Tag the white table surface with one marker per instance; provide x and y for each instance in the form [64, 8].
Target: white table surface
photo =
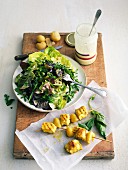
[19, 16]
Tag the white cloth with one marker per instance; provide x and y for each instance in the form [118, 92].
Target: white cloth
[48, 149]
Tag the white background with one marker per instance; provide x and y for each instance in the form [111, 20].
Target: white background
[19, 16]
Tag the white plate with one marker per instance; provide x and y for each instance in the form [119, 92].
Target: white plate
[81, 78]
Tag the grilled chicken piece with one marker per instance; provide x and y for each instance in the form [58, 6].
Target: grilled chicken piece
[56, 122]
[90, 136]
[73, 118]
[73, 146]
[81, 112]
[65, 119]
[69, 132]
[81, 134]
[48, 127]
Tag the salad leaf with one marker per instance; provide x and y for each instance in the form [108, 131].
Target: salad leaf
[37, 56]
[23, 81]
[41, 82]
[49, 50]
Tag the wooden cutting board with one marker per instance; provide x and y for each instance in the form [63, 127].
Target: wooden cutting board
[26, 116]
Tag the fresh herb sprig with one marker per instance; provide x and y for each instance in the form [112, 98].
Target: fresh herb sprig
[98, 120]
[8, 101]
[88, 124]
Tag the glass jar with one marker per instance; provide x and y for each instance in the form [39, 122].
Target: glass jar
[85, 44]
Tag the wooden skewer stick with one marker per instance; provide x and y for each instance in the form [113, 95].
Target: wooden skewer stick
[103, 139]
[65, 127]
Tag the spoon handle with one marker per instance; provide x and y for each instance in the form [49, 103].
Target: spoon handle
[100, 92]
[98, 13]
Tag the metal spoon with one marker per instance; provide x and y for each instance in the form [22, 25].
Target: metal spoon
[100, 92]
[98, 13]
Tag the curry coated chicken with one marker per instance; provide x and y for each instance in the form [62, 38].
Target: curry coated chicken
[73, 146]
[48, 127]
[77, 132]
[80, 133]
[65, 119]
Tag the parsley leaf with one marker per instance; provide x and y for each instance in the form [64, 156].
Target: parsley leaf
[7, 99]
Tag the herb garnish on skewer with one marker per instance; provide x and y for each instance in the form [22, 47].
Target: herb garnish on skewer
[98, 120]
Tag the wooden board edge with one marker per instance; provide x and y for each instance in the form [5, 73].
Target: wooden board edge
[95, 155]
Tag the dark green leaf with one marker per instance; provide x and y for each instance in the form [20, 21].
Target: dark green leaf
[24, 80]
[100, 118]
[92, 97]
[83, 126]
[93, 112]
[20, 92]
[89, 123]
[31, 95]
[8, 101]
[101, 128]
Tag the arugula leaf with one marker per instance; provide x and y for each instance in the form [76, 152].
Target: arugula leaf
[8, 101]
[31, 95]
[24, 80]
[23, 94]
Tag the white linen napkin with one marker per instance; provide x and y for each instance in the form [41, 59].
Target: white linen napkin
[48, 149]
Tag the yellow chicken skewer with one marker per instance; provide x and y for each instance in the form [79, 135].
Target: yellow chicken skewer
[49, 127]
[82, 134]
[65, 120]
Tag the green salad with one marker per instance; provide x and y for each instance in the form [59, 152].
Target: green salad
[41, 81]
